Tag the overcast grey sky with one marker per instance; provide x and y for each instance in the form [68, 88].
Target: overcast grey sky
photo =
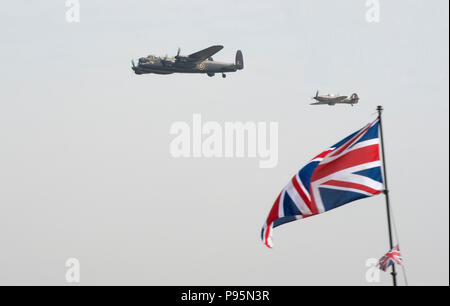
[85, 168]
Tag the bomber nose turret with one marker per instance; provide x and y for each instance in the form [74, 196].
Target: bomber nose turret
[134, 68]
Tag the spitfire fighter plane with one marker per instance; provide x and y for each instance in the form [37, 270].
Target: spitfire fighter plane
[198, 62]
[335, 99]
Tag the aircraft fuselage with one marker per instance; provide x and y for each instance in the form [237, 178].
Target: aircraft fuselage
[168, 67]
[332, 100]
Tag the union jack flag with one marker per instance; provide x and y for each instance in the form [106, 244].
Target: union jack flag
[392, 257]
[347, 171]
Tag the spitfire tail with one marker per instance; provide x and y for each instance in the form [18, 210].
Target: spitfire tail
[239, 60]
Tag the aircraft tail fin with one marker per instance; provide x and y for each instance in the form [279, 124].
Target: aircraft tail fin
[239, 60]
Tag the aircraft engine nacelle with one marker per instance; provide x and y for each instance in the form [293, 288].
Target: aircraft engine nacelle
[210, 74]
[166, 63]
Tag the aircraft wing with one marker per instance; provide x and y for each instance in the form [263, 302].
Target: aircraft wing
[202, 55]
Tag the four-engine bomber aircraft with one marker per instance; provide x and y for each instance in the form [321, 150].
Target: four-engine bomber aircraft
[198, 62]
[335, 99]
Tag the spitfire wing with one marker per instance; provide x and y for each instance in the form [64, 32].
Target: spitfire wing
[202, 55]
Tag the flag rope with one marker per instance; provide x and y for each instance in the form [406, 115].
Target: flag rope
[398, 242]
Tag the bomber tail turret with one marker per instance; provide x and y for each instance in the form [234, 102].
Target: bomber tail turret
[239, 60]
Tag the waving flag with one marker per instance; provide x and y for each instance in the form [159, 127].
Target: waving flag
[348, 171]
[392, 257]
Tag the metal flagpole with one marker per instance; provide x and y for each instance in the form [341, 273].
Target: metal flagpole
[386, 193]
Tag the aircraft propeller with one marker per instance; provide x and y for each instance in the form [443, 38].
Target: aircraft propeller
[180, 58]
[132, 63]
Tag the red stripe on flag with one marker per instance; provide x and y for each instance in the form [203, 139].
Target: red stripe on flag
[312, 208]
[351, 159]
[323, 154]
[352, 185]
[351, 141]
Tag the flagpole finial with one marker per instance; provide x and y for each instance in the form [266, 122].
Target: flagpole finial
[379, 108]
